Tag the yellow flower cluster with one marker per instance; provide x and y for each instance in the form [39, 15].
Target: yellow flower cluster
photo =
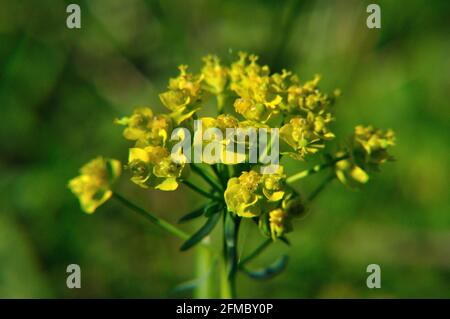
[368, 149]
[306, 134]
[257, 99]
[184, 95]
[259, 96]
[152, 166]
[214, 74]
[149, 161]
[93, 185]
[304, 109]
[265, 197]
[146, 128]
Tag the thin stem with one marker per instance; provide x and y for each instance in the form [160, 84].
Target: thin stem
[218, 172]
[220, 103]
[315, 169]
[221, 171]
[209, 179]
[256, 252]
[152, 218]
[230, 254]
[201, 191]
[320, 188]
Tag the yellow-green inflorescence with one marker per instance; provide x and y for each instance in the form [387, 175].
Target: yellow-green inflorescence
[93, 186]
[248, 95]
[367, 150]
[265, 197]
[258, 97]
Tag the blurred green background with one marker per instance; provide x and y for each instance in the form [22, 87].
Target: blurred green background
[60, 90]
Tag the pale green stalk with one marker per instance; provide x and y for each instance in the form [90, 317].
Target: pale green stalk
[314, 169]
[204, 264]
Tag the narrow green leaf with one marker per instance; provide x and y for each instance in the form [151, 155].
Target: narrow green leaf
[192, 215]
[213, 208]
[269, 272]
[230, 236]
[186, 286]
[201, 233]
[206, 210]
[285, 240]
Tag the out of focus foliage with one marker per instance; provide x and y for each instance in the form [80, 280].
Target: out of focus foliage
[60, 90]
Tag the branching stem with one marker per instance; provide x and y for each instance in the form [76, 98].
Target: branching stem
[201, 191]
[152, 218]
[207, 177]
[314, 169]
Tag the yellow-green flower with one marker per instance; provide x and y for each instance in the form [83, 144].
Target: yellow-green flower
[258, 99]
[293, 204]
[222, 122]
[277, 219]
[184, 95]
[214, 74]
[367, 151]
[251, 193]
[252, 111]
[152, 166]
[372, 143]
[146, 128]
[349, 173]
[241, 195]
[308, 97]
[279, 223]
[305, 135]
[93, 185]
[273, 186]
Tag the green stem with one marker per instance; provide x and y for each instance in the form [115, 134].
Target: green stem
[230, 254]
[320, 188]
[221, 171]
[225, 286]
[220, 103]
[233, 262]
[218, 172]
[208, 178]
[152, 218]
[201, 191]
[315, 169]
[204, 263]
[256, 252]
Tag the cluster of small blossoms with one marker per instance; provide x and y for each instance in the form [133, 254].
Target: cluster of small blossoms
[260, 99]
[367, 150]
[248, 95]
[93, 185]
[265, 197]
[304, 110]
